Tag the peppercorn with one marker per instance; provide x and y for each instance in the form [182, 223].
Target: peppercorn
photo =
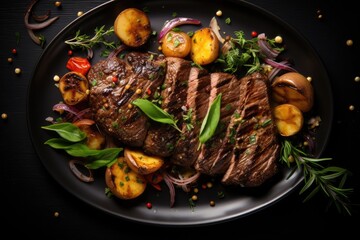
[149, 205]
[4, 116]
[212, 203]
[57, 4]
[17, 70]
[219, 13]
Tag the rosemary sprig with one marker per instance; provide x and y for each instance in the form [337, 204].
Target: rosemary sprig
[330, 180]
[86, 42]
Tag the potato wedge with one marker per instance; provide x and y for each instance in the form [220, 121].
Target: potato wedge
[141, 163]
[74, 88]
[94, 139]
[295, 89]
[288, 119]
[176, 44]
[205, 46]
[123, 182]
[132, 26]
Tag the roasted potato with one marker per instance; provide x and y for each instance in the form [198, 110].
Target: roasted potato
[74, 88]
[295, 89]
[123, 182]
[205, 46]
[141, 163]
[288, 119]
[176, 44]
[94, 139]
[132, 26]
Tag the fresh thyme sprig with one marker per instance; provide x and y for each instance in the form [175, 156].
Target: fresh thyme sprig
[86, 42]
[330, 180]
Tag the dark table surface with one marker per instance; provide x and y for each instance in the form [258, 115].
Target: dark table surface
[30, 196]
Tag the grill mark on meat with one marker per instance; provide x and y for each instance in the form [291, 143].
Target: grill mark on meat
[186, 152]
[228, 85]
[110, 100]
[161, 139]
[256, 148]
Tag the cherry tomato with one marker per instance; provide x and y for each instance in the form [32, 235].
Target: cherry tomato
[78, 64]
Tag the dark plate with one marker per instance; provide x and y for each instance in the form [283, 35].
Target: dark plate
[238, 202]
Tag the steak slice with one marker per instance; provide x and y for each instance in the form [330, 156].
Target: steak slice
[115, 84]
[228, 85]
[256, 147]
[197, 101]
[161, 138]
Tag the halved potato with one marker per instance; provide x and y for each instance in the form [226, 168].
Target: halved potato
[176, 44]
[123, 182]
[205, 46]
[74, 88]
[141, 163]
[288, 119]
[295, 89]
[132, 26]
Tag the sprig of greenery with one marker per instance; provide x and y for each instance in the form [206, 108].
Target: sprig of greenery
[244, 53]
[86, 42]
[330, 180]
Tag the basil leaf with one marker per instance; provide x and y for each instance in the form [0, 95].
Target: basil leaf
[67, 131]
[59, 143]
[100, 163]
[82, 150]
[155, 113]
[210, 121]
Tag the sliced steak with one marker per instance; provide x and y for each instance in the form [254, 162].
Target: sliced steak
[228, 85]
[256, 150]
[115, 84]
[197, 101]
[161, 138]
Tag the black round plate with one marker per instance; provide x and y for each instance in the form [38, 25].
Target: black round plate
[238, 202]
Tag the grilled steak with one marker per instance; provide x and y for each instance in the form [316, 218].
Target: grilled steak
[161, 138]
[228, 85]
[253, 132]
[186, 153]
[115, 84]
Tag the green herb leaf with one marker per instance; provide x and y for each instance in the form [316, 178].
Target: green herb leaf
[59, 143]
[211, 120]
[100, 163]
[68, 131]
[155, 113]
[324, 178]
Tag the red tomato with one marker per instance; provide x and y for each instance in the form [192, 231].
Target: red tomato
[78, 64]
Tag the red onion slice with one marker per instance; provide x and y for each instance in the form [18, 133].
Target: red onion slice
[176, 22]
[73, 164]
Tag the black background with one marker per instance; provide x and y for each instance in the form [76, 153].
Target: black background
[30, 196]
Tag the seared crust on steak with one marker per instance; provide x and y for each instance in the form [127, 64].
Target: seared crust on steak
[115, 83]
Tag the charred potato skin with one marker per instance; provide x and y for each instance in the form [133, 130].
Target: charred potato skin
[123, 182]
[132, 26]
[142, 163]
[74, 88]
[295, 89]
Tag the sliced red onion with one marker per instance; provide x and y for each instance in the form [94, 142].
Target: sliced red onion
[33, 37]
[41, 18]
[265, 47]
[73, 164]
[284, 65]
[62, 106]
[171, 187]
[176, 22]
[216, 29]
[36, 26]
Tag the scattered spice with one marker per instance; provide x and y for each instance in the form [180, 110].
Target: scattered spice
[309, 79]
[349, 42]
[351, 107]
[56, 78]
[278, 39]
[56, 214]
[80, 13]
[149, 205]
[212, 203]
[14, 51]
[228, 21]
[10, 60]
[17, 71]
[4, 116]
[194, 197]
[357, 79]
[219, 13]
[70, 53]
[57, 4]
